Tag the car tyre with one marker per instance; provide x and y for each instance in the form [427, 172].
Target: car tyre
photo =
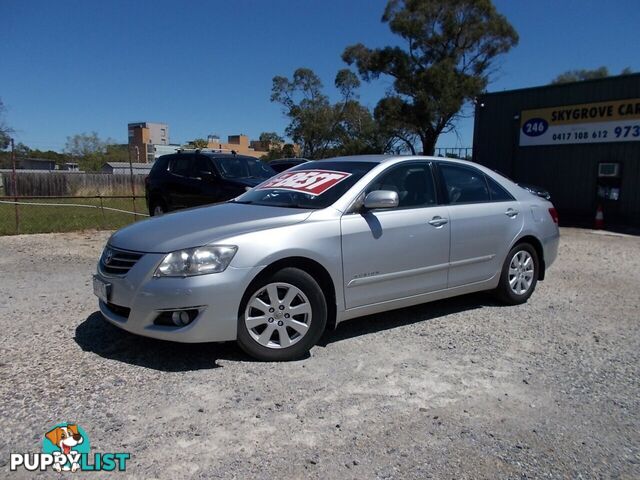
[282, 316]
[519, 275]
[157, 208]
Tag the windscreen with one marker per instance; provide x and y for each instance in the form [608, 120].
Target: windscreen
[312, 185]
[243, 167]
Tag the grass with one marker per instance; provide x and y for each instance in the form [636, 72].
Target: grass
[55, 218]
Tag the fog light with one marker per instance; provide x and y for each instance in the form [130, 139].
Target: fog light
[180, 319]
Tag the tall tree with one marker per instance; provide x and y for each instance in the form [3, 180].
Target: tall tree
[309, 110]
[323, 128]
[84, 144]
[5, 130]
[270, 138]
[450, 48]
[585, 74]
[197, 143]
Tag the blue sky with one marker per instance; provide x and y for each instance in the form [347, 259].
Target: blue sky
[206, 66]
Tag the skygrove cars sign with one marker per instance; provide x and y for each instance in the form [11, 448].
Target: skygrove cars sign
[311, 182]
[616, 121]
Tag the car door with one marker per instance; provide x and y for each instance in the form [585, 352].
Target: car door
[484, 220]
[395, 253]
[179, 184]
[206, 182]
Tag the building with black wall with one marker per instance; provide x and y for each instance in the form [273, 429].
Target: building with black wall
[580, 141]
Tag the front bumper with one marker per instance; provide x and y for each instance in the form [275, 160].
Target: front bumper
[216, 296]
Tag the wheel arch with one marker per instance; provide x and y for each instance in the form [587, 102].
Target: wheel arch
[537, 245]
[313, 268]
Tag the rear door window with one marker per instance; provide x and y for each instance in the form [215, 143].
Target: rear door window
[497, 191]
[464, 184]
[181, 165]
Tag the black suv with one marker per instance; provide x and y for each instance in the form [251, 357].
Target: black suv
[191, 178]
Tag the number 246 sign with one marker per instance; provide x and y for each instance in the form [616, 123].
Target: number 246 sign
[311, 182]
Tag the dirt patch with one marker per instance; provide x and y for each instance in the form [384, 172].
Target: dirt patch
[462, 388]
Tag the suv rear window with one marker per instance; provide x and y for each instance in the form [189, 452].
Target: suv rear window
[181, 165]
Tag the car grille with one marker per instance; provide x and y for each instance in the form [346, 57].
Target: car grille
[118, 310]
[118, 262]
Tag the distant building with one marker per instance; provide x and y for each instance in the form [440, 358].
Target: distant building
[243, 146]
[71, 167]
[144, 137]
[165, 149]
[35, 164]
[123, 167]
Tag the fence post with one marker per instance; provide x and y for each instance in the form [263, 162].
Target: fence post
[102, 210]
[15, 186]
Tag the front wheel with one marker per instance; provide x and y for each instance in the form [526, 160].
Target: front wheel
[282, 316]
[519, 275]
[157, 208]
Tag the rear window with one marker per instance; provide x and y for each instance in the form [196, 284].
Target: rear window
[498, 193]
[464, 185]
[181, 165]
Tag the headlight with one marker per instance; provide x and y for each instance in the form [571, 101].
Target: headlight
[196, 261]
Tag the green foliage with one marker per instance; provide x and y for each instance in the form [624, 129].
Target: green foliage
[84, 144]
[5, 130]
[450, 46]
[270, 138]
[286, 151]
[197, 143]
[323, 128]
[584, 74]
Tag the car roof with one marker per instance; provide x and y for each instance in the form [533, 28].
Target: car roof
[389, 158]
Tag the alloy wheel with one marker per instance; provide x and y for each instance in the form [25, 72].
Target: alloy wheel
[278, 315]
[521, 272]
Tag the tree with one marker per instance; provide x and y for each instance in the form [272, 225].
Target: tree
[309, 111]
[584, 74]
[270, 138]
[5, 130]
[84, 144]
[450, 49]
[323, 128]
[197, 143]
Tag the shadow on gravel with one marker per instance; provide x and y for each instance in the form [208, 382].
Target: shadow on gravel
[407, 316]
[100, 337]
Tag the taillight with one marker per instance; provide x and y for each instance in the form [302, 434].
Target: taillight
[554, 215]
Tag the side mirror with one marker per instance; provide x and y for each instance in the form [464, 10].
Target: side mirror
[381, 199]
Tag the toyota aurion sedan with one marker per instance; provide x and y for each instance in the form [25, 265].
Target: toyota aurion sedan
[322, 243]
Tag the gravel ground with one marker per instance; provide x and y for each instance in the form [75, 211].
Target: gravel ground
[462, 388]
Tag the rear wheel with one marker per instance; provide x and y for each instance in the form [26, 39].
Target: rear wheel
[519, 275]
[282, 316]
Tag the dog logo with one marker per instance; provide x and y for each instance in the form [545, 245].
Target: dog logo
[66, 448]
[68, 440]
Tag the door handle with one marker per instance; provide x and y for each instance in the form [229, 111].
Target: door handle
[438, 221]
[511, 213]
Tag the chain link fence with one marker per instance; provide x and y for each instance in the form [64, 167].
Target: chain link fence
[38, 214]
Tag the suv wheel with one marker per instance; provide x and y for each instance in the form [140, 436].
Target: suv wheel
[157, 208]
[282, 317]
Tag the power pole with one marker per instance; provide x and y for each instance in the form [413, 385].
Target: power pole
[15, 186]
[133, 187]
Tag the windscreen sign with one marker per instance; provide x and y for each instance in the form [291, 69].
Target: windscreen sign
[311, 182]
[617, 121]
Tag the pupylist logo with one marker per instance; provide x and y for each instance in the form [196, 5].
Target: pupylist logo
[66, 448]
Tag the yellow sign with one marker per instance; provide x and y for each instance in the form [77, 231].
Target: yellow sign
[614, 121]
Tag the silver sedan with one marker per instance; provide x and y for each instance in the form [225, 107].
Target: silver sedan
[322, 243]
